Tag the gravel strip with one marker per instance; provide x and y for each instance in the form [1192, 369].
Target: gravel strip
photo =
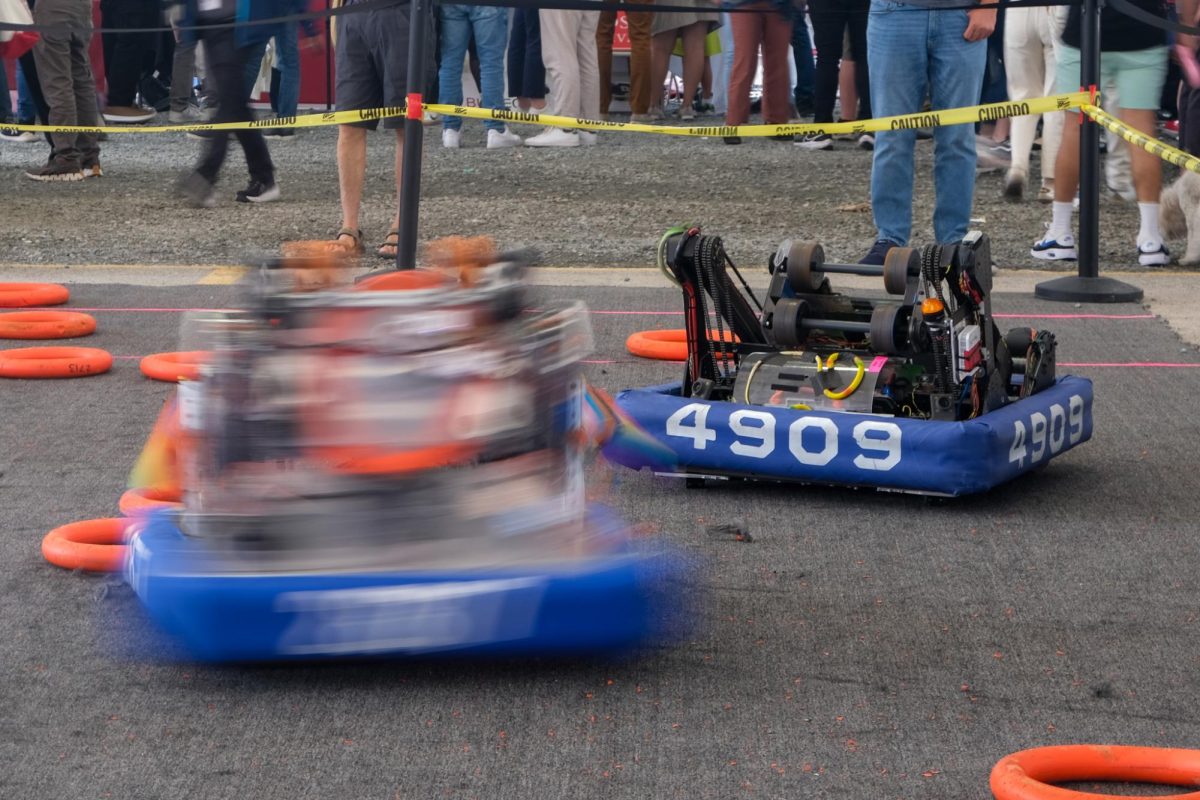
[603, 205]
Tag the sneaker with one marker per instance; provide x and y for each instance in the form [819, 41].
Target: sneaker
[732, 139]
[451, 139]
[554, 137]
[258, 192]
[704, 107]
[1172, 127]
[189, 114]
[815, 141]
[1153, 254]
[201, 136]
[1055, 248]
[1122, 187]
[588, 139]
[686, 115]
[867, 141]
[1046, 193]
[430, 118]
[55, 171]
[128, 115]
[93, 170]
[503, 138]
[14, 135]
[279, 133]
[196, 190]
[878, 252]
[643, 119]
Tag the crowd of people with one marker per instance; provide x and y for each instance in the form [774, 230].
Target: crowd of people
[824, 60]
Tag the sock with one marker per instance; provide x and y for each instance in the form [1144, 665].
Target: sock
[1060, 224]
[1149, 230]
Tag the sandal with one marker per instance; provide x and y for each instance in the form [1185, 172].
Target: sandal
[355, 246]
[392, 240]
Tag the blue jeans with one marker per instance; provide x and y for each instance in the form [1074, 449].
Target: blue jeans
[912, 51]
[26, 109]
[287, 61]
[490, 26]
[802, 54]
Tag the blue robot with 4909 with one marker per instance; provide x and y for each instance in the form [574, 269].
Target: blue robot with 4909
[919, 392]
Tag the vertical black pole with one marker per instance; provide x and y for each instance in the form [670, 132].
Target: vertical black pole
[1088, 286]
[328, 59]
[414, 131]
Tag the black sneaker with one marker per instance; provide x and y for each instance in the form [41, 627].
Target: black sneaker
[258, 192]
[55, 171]
[732, 139]
[278, 133]
[867, 141]
[878, 252]
[814, 141]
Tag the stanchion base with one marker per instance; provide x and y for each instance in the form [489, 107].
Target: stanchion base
[1079, 289]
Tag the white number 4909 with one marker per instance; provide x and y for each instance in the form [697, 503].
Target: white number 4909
[1046, 437]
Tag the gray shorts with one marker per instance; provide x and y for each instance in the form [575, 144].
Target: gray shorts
[372, 62]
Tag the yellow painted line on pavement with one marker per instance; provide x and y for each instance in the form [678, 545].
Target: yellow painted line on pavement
[223, 276]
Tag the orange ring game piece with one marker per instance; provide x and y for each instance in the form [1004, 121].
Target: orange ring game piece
[174, 367]
[45, 324]
[96, 545]
[54, 362]
[664, 345]
[1027, 775]
[22, 295]
[136, 501]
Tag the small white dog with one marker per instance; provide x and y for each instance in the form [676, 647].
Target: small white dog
[1179, 214]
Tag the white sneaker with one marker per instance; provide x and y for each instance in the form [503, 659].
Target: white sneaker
[553, 137]
[1153, 254]
[588, 139]
[13, 135]
[498, 139]
[430, 118]
[1055, 247]
[451, 138]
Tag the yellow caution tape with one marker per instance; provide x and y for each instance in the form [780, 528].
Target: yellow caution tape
[302, 121]
[928, 119]
[1151, 145]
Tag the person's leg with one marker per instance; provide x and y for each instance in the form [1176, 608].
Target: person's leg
[741, 74]
[227, 71]
[604, 56]
[183, 72]
[287, 60]
[491, 30]
[53, 56]
[6, 109]
[856, 29]
[589, 69]
[828, 24]
[254, 57]
[456, 30]
[534, 79]
[1024, 64]
[641, 79]
[802, 54]
[956, 69]
[86, 111]
[559, 31]
[897, 47]
[693, 58]
[515, 58]
[26, 107]
[661, 46]
[128, 51]
[1052, 124]
[1147, 167]
[777, 38]
[352, 171]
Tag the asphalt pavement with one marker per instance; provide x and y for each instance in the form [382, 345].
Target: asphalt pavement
[858, 645]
